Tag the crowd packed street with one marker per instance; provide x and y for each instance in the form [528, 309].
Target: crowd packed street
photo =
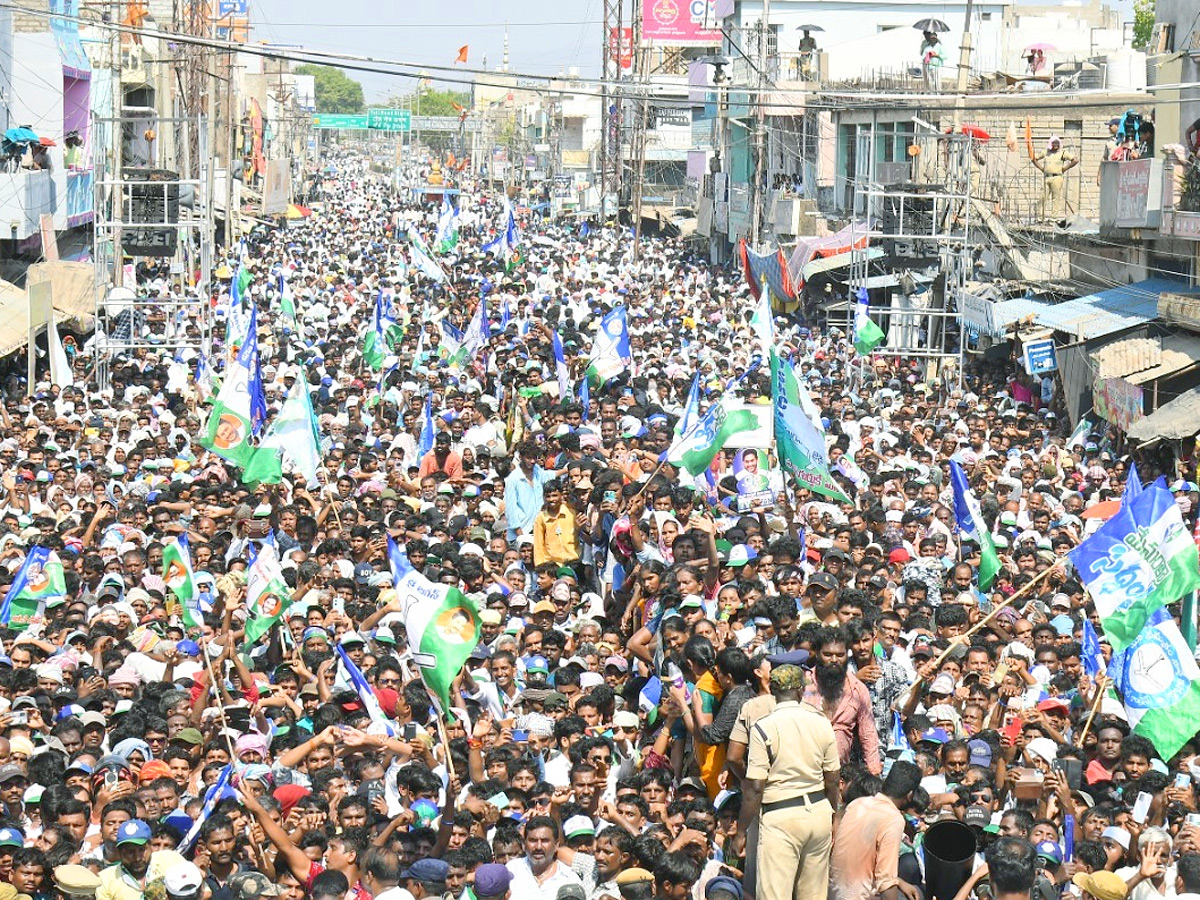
[485, 556]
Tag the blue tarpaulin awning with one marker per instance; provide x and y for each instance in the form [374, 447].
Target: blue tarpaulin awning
[1109, 311]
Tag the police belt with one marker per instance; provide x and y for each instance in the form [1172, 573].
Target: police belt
[799, 800]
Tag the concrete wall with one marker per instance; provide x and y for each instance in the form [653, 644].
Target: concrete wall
[37, 85]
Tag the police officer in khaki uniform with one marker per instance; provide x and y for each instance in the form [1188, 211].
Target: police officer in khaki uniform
[1054, 163]
[791, 788]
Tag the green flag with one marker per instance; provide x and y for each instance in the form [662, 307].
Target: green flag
[177, 573]
[228, 432]
[867, 335]
[1187, 619]
[442, 624]
[798, 441]
[695, 448]
[267, 594]
[295, 433]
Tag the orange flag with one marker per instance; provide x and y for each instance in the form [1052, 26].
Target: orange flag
[462, 53]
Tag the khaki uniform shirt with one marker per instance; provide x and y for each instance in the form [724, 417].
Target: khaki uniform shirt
[1054, 161]
[791, 749]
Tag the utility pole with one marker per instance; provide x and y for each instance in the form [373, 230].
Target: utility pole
[964, 66]
[760, 130]
[641, 57]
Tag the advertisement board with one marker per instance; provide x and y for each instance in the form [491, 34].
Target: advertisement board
[680, 23]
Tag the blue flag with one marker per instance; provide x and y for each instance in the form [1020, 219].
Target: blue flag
[691, 409]
[398, 560]
[585, 397]
[1093, 659]
[365, 694]
[1133, 484]
[214, 795]
[258, 400]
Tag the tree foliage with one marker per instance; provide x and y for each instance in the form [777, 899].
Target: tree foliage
[433, 103]
[1143, 23]
[336, 91]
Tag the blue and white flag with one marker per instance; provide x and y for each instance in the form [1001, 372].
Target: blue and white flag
[379, 721]
[610, 354]
[560, 366]
[585, 397]
[258, 399]
[1159, 683]
[1137, 562]
[691, 409]
[214, 795]
[425, 441]
[1093, 658]
[1133, 484]
[971, 525]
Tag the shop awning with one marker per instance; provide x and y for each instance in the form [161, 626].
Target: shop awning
[1110, 311]
[1172, 421]
[828, 263]
[1143, 360]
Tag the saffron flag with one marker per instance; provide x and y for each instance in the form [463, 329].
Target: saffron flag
[462, 53]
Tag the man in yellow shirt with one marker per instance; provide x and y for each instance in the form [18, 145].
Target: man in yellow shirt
[127, 880]
[555, 537]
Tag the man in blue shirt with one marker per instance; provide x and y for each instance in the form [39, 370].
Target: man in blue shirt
[523, 490]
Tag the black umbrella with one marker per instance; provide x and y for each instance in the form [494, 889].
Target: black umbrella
[809, 28]
[934, 25]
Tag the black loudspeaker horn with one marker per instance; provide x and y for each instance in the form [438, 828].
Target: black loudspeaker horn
[949, 858]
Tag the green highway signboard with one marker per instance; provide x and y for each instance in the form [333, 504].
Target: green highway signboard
[389, 120]
[339, 120]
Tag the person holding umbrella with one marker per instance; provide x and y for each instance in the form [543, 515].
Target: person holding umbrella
[808, 51]
[932, 57]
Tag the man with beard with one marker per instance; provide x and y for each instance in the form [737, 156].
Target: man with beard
[127, 879]
[538, 874]
[791, 790]
[845, 701]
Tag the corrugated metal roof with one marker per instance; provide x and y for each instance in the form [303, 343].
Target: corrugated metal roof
[1179, 352]
[1107, 312]
[1009, 311]
[1128, 357]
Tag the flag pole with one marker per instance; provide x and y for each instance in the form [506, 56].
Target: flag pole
[441, 727]
[999, 606]
[1101, 685]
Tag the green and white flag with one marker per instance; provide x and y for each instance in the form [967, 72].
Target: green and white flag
[867, 335]
[1137, 562]
[442, 624]
[229, 424]
[446, 238]
[296, 434]
[267, 594]
[694, 450]
[798, 441]
[1159, 683]
[287, 303]
[763, 323]
[177, 573]
[972, 526]
[422, 259]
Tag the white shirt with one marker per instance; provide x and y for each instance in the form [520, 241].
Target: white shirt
[526, 886]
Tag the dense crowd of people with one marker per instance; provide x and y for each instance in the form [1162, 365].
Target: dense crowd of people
[712, 688]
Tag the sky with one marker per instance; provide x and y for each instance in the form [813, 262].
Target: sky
[545, 36]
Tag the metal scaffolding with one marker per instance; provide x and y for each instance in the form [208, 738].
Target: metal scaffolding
[149, 209]
[913, 224]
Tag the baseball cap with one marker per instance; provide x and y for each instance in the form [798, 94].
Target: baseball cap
[977, 816]
[11, 837]
[430, 870]
[9, 772]
[791, 658]
[981, 753]
[1049, 850]
[543, 606]
[135, 831]
[183, 880]
[823, 580]
[492, 880]
[251, 885]
[933, 735]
